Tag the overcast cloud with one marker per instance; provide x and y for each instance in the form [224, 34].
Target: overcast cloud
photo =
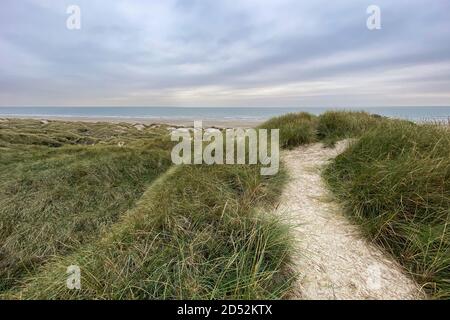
[225, 53]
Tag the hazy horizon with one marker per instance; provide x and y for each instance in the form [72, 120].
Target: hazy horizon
[188, 53]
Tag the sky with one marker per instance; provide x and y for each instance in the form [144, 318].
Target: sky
[252, 53]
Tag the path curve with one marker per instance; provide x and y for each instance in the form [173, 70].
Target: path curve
[334, 260]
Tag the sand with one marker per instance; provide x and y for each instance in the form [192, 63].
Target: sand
[218, 123]
[334, 260]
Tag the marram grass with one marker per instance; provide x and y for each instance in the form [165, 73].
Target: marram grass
[196, 233]
[201, 232]
[395, 182]
[205, 232]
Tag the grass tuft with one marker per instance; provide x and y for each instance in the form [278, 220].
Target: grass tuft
[195, 234]
[295, 129]
[337, 125]
[395, 182]
[137, 229]
[56, 198]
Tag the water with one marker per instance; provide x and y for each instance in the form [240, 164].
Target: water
[409, 113]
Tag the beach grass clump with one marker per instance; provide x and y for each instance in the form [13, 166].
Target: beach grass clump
[337, 125]
[302, 128]
[102, 196]
[55, 198]
[29, 132]
[395, 182]
[295, 129]
[199, 232]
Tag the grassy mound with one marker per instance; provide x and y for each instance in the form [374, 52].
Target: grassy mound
[56, 197]
[295, 129]
[337, 125]
[395, 182]
[195, 234]
[302, 128]
[71, 195]
[77, 194]
[52, 206]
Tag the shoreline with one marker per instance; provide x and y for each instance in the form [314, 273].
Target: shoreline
[219, 123]
[179, 122]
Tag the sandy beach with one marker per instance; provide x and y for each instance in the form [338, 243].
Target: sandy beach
[184, 122]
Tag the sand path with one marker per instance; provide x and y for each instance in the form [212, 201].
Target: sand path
[334, 261]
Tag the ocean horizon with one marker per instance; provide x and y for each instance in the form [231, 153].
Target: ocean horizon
[215, 113]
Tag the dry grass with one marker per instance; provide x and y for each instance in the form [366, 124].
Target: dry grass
[395, 182]
[73, 196]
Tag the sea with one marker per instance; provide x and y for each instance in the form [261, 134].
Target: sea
[215, 113]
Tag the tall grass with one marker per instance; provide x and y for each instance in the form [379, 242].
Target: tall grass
[338, 125]
[52, 206]
[302, 128]
[204, 232]
[56, 197]
[295, 129]
[395, 182]
[195, 234]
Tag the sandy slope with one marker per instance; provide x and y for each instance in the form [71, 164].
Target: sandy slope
[219, 123]
[334, 262]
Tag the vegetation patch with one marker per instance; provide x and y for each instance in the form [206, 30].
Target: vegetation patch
[295, 129]
[195, 234]
[302, 128]
[202, 232]
[395, 182]
[56, 197]
[337, 125]
[78, 194]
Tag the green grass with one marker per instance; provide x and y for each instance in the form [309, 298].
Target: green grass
[302, 128]
[70, 195]
[337, 125]
[201, 232]
[56, 197]
[195, 234]
[395, 182]
[295, 129]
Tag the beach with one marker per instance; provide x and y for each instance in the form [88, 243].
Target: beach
[177, 122]
[228, 154]
[114, 178]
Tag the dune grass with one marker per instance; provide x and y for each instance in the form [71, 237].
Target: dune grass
[395, 182]
[55, 197]
[337, 125]
[205, 232]
[302, 128]
[52, 206]
[195, 234]
[202, 232]
[295, 129]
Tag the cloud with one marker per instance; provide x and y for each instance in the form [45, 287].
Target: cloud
[224, 53]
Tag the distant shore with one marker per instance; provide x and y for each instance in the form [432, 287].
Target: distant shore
[184, 122]
[212, 116]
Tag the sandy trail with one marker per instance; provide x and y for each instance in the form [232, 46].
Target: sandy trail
[335, 261]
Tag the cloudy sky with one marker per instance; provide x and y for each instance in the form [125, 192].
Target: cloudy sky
[225, 53]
